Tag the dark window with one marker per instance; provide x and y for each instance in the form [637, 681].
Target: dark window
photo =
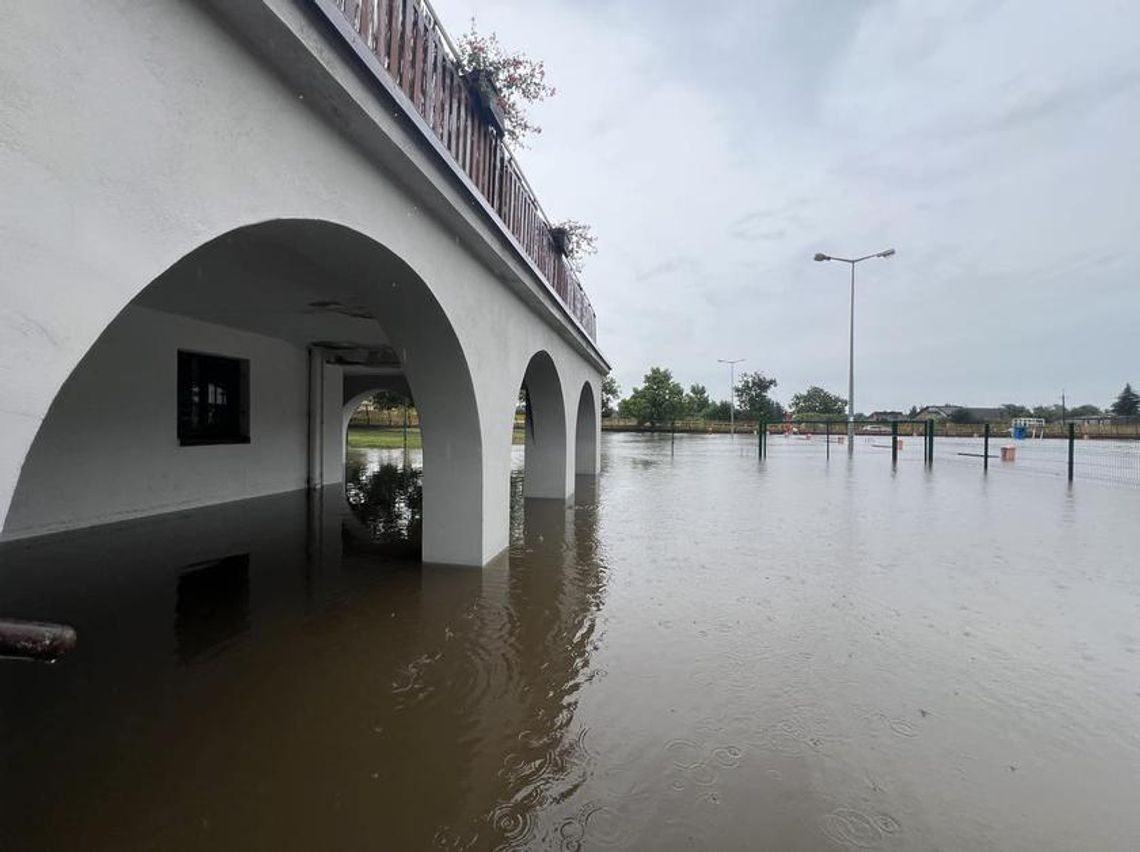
[213, 399]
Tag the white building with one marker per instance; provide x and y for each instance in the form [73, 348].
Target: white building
[224, 223]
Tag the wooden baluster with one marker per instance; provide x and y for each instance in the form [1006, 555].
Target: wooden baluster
[395, 28]
[421, 62]
[432, 84]
[407, 45]
[383, 15]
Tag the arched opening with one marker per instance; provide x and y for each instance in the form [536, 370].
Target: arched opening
[586, 433]
[224, 379]
[545, 460]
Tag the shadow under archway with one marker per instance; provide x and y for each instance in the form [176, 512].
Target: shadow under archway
[261, 300]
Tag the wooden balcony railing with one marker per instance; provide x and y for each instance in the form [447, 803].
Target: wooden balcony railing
[420, 59]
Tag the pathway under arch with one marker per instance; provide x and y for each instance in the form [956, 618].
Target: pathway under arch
[545, 472]
[586, 433]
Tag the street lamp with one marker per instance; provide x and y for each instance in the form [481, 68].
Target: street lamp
[732, 362]
[820, 256]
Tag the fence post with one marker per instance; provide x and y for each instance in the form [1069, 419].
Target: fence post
[894, 443]
[930, 441]
[1072, 441]
[827, 437]
[986, 449]
[672, 436]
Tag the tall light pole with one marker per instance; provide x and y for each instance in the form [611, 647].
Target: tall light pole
[732, 362]
[851, 261]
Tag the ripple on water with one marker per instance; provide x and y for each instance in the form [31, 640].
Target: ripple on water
[685, 754]
[605, 826]
[852, 827]
[513, 822]
[900, 726]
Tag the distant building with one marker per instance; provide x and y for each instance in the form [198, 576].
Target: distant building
[947, 412]
[887, 416]
[936, 412]
[1096, 419]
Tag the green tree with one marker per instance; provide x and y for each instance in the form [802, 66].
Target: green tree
[752, 397]
[913, 413]
[1012, 411]
[611, 392]
[658, 400]
[1084, 411]
[718, 411]
[818, 402]
[1127, 403]
[1048, 413]
[696, 400]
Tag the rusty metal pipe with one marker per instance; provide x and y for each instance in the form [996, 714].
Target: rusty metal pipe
[33, 640]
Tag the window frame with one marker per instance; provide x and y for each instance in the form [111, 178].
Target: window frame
[215, 366]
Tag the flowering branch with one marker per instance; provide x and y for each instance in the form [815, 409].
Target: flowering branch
[519, 80]
[575, 240]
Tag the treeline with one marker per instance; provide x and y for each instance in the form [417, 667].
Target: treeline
[1126, 404]
[660, 399]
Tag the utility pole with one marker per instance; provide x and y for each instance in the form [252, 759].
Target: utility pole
[851, 261]
[732, 362]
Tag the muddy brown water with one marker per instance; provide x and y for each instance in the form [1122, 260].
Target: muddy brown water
[703, 651]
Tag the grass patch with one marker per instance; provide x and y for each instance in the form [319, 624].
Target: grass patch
[392, 438]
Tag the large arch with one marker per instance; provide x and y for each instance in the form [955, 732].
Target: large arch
[547, 462]
[586, 433]
[294, 299]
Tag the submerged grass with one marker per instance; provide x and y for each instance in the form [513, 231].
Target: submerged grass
[392, 438]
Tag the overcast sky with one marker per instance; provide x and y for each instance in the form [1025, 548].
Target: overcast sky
[715, 147]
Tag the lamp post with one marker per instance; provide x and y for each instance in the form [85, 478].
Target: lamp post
[851, 261]
[732, 362]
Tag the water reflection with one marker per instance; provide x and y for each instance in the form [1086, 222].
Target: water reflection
[703, 651]
[387, 498]
[212, 607]
[339, 694]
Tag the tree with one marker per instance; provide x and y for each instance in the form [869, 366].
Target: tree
[1048, 413]
[1127, 403]
[1085, 411]
[752, 396]
[696, 400]
[718, 411]
[816, 401]
[1012, 411]
[611, 391]
[913, 413]
[658, 400]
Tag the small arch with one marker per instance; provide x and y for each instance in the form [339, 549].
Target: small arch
[586, 433]
[546, 463]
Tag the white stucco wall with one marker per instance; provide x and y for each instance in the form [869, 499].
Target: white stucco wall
[153, 130]
[109, 451]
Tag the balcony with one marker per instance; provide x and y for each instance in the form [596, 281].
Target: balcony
[420, 60]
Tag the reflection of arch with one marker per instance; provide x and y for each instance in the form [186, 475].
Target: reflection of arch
[294, 299]
[586, 433]
[544, 473]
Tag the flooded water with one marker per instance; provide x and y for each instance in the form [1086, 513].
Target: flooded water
[703, 651]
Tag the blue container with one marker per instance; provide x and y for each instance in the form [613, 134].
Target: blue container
[1019, 433]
